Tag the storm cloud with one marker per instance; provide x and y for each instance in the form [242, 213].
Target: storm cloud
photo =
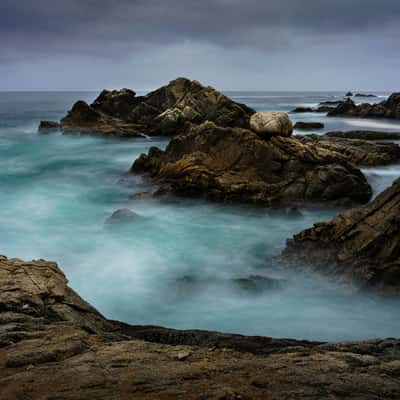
[232, 44]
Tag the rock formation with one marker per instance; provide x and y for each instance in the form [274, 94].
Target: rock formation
[268, 124]
[55, 345]
[389, 108]
[162, 112]
[235, 165]
[359, 152]
[308, 126]
[365, 135]
[360, 246]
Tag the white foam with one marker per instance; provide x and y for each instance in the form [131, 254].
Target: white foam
[374, 124]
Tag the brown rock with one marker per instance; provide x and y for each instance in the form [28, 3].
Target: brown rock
[235, 165]
[360, 246]
[55, 345]
[268, 124]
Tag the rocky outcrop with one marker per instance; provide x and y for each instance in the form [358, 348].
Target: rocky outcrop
[268, 124]
[349, 94]
[55, 345]
[308, 126]
[235, 165]
[360, 246]
[319, 109]
[389, 108]
[359, 152]
[162, 112]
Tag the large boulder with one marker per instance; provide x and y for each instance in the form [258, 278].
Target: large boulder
[236, 165]
[161, 112]
[267, 124]
[389, 108]
[360, 246]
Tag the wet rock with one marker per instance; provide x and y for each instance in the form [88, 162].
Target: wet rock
[70, 350]
[349, 94]
[361, 153]
[123, 216]
[268, 124]
[235, 165]
[331, 102]
[360, 246]
[161, 112]
[308, 126]
[49, 126]
[389, 108]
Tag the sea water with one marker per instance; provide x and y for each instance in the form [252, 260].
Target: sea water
[176, 266]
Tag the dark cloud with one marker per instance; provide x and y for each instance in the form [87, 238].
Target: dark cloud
[115, 31]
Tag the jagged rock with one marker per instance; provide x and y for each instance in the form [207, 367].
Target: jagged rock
[49, 126]
[308, 126]
[361, 245]
[389, 108]
[267, 124]
[53, 343]
[123, 216]
[235, 165]
[161, 112]
[361, 153]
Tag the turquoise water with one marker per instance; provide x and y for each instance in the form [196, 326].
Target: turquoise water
[56, 191]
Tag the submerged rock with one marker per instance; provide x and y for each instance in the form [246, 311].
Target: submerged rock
[359, 152]
[364, 95]
[49, 126]
[123, 216]
[52, 341]
[161, 112]
[389, 108]
[361, 245]
[308, 126]
[235, 165]
[268, 124]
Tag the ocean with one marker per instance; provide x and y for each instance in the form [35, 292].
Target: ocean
[178, 266]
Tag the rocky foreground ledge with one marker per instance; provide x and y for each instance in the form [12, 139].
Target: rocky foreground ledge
[54, 345]
[360, 246]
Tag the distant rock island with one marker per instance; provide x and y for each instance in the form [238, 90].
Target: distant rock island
[389, 108]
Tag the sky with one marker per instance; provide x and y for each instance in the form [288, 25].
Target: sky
[230, 44]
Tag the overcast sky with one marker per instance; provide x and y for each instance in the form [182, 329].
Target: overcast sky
[230, 44]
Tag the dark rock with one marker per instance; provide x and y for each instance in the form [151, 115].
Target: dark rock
[123, 216]
[365, 135]
[349, 94]
[364, 95]
[361, 245]
[235, 165]
[389, 108]
[162, 112]
[359, 152]
[308, 126]
[54, 342]
[49, 126]
[300, 110]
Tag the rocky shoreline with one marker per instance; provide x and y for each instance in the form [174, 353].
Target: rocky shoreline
[55, 345]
